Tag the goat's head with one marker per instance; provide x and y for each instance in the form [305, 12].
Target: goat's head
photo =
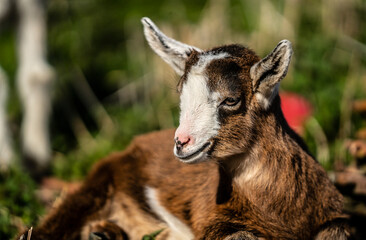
[220, 91]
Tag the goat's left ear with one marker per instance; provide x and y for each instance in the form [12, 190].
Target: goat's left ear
[171, 51]
[268, 72]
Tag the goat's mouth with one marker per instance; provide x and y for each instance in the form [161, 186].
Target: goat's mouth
[195, 156]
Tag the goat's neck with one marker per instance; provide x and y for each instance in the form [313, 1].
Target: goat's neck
[261, 170]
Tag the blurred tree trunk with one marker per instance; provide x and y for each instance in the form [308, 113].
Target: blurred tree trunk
[34, 78]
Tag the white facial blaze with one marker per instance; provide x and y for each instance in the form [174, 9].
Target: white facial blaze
[198, 110]
[199, 115]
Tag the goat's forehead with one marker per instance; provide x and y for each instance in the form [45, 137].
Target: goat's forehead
[218, 71]
[205, 60]
[220, 67]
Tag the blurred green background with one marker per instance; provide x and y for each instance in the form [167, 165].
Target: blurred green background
[110, 86]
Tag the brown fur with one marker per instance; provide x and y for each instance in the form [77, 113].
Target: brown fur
[261, 182]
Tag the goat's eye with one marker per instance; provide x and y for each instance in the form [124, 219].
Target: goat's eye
[231, 101]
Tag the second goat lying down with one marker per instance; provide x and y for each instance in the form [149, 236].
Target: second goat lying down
[237, 172]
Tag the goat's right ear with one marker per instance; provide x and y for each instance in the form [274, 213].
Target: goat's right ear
[171, 51]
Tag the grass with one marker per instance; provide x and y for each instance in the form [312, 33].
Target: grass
[18, 204]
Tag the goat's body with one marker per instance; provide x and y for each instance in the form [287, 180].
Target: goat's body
[243, 173]
[145, 189]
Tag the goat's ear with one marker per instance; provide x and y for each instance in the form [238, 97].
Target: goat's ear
[268, 72]
[171, 51]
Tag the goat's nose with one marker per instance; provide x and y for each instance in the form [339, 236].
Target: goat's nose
[181, 141]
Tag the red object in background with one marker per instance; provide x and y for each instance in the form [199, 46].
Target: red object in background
[296, 110]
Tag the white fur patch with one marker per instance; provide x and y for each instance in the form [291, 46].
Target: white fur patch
[199, 115]
[178, 230]
[253, 174]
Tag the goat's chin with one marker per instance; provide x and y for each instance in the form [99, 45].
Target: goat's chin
[201, 157]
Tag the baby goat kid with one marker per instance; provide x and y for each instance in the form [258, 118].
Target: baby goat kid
[237, 172]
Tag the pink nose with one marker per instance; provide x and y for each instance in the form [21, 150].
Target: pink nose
[182, 137]
[182, 140]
